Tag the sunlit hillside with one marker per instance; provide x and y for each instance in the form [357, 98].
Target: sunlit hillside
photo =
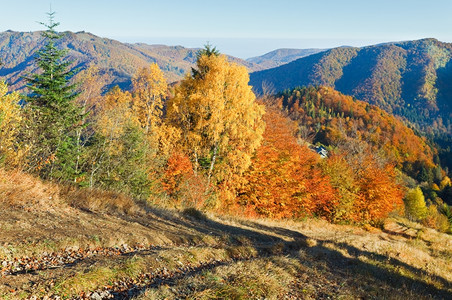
[410, 79]
[118, 61]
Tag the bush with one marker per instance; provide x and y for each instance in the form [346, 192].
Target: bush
[194, 213]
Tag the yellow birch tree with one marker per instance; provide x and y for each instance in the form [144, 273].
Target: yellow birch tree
[10, 122]
[149, 88]
[218, 117]
[120, 150]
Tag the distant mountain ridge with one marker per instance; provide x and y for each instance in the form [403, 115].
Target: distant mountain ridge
[282, 56]
[118, 60]
[412, 79]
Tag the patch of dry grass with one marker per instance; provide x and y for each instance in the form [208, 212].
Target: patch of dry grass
[407, 250]
[251, 279]
[21, 190]
[108, 271]
[25, 191]
[91, 277]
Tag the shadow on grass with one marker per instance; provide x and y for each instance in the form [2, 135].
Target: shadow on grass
[172, 224]
[382, 277]
[373, 276]
[171, 280]
[379, 259]
[377, 274]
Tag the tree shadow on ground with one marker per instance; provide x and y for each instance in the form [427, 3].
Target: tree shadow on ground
[379, 275]
[375, 270]
[371, 269]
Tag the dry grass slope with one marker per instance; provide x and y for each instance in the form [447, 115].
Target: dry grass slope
[59, 242]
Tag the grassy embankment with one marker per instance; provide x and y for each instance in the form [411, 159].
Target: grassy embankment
[91, 244]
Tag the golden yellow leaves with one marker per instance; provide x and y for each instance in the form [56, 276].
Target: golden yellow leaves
[115, 112]
[10, 121]
[218, 116]
[149, 90]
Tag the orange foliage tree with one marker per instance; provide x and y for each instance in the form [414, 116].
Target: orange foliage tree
[180, 182]
[284, 179]
[379, 193]
[179, 168]
[367, 189]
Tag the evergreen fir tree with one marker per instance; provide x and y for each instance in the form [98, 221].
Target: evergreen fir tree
[54, 116]
[208, 50]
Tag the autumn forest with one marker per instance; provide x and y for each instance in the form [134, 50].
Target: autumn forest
[209, 143]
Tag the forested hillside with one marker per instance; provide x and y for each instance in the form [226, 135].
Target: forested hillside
[328, 117]
[118, 61]
[364, 174]
[410, 79]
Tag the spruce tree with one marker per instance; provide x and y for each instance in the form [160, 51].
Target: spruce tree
[54, 115]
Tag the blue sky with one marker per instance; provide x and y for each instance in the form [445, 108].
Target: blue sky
[241, 28]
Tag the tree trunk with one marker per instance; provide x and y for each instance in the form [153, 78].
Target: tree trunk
[196, 164]
[212, 164]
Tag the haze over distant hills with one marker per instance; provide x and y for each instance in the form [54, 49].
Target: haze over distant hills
[118, 60]
[282, 56]
[412, 79]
